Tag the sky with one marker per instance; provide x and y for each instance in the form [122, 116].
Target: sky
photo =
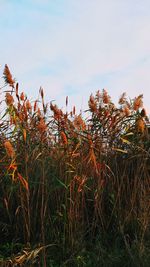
[75, 47]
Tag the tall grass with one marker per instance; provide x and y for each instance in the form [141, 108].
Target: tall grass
[76, 187]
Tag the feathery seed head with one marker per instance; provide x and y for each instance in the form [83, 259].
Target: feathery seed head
[8, 77]
[9, 149]
[9, 99]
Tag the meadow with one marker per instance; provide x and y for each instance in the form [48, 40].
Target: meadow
[74, 189]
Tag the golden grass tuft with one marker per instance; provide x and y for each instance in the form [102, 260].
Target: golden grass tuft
[9, 149]
[42, 126]
[9, 99]
[122, 99]
[126, 110]
[138, 102]
[22, 96]
[8, 77]
[106, 97]
[140, 125]
[64, 138]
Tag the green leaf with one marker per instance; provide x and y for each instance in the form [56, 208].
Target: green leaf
[64, 185]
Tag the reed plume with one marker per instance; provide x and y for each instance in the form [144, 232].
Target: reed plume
[8, 77]
[9, 99]
[9, 149]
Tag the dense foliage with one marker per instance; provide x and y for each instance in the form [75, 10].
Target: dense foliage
[74, 190]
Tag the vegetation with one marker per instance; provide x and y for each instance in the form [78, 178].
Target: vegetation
[74, 191]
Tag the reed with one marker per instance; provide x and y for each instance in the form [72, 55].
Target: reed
[80, 183]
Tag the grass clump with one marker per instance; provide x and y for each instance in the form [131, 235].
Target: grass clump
[74, 191]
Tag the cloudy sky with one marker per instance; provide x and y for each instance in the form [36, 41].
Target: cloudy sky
[75, 47]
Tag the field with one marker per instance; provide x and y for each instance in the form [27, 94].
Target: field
[74, 190]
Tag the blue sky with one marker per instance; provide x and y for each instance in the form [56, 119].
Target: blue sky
[75, 47]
